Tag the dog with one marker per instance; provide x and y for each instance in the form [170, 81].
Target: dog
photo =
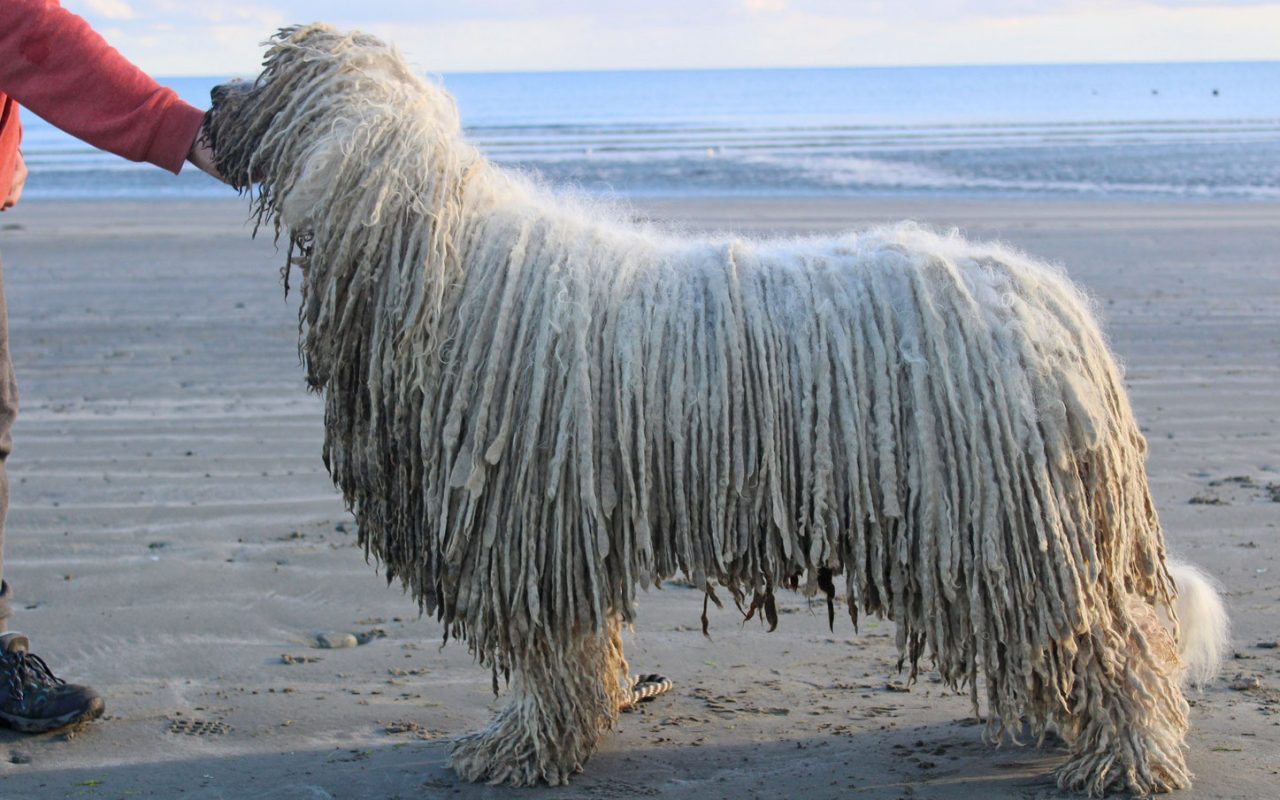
[534, 406]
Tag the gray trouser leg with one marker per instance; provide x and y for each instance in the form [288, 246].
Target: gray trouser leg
[8, 411]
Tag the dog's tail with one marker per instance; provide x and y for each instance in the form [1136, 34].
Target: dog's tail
[1204, 628]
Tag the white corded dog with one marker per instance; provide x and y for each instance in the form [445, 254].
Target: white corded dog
[532, 407]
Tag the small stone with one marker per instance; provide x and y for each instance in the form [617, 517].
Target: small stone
[1271, 645]
[285, 658]
[336, 640]
[1245, 683]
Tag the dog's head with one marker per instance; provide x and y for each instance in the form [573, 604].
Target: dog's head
[318, 118]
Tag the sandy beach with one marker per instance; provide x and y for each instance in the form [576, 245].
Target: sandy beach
[175, 541]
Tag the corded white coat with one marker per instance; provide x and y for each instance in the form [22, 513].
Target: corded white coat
[534, 406]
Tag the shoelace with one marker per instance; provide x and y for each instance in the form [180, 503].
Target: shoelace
[27, 668]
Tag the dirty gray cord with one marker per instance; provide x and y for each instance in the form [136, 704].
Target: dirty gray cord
[645, 688]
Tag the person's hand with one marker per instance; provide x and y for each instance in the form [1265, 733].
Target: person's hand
[202, 156]
[15, 188]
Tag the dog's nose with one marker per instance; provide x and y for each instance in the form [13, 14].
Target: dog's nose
[222, 91]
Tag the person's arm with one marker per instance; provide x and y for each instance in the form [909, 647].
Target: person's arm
[13, 171]
[16, 183]
[53, 63]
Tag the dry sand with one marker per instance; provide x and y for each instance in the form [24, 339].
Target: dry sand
[173, 534]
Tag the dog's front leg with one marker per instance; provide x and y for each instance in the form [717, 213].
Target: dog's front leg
[564, 695]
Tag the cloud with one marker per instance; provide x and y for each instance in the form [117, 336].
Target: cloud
[178, 37]
[109, 9]
[764, 6]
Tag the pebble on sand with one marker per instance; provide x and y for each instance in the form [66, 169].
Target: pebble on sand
[1244, 683]
[335, 640]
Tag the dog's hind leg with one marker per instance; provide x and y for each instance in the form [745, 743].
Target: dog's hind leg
[1127, 723]
[564, 695]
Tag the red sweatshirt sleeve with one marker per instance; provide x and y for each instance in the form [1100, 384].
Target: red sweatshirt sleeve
[10, 138]
[53, 63]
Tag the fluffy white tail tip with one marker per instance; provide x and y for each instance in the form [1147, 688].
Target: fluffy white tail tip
[1205, 630]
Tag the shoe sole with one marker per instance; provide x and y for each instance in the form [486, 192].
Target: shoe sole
[28, 725]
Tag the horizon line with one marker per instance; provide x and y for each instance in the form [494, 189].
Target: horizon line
[974, 65]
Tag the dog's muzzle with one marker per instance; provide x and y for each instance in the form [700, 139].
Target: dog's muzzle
[226, 101]
[225, 91]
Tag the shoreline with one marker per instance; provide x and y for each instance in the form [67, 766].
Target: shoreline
[927, 199]
[755, 216]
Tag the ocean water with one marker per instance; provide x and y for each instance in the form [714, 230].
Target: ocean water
[1207, 131]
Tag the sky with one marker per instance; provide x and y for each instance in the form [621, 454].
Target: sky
[208, 37]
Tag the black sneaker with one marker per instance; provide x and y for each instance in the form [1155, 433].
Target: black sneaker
[33, 699]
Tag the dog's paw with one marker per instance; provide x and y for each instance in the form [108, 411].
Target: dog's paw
[505, 755]
[1096, 774]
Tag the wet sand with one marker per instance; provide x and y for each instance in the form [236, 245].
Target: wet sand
[175, 542]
